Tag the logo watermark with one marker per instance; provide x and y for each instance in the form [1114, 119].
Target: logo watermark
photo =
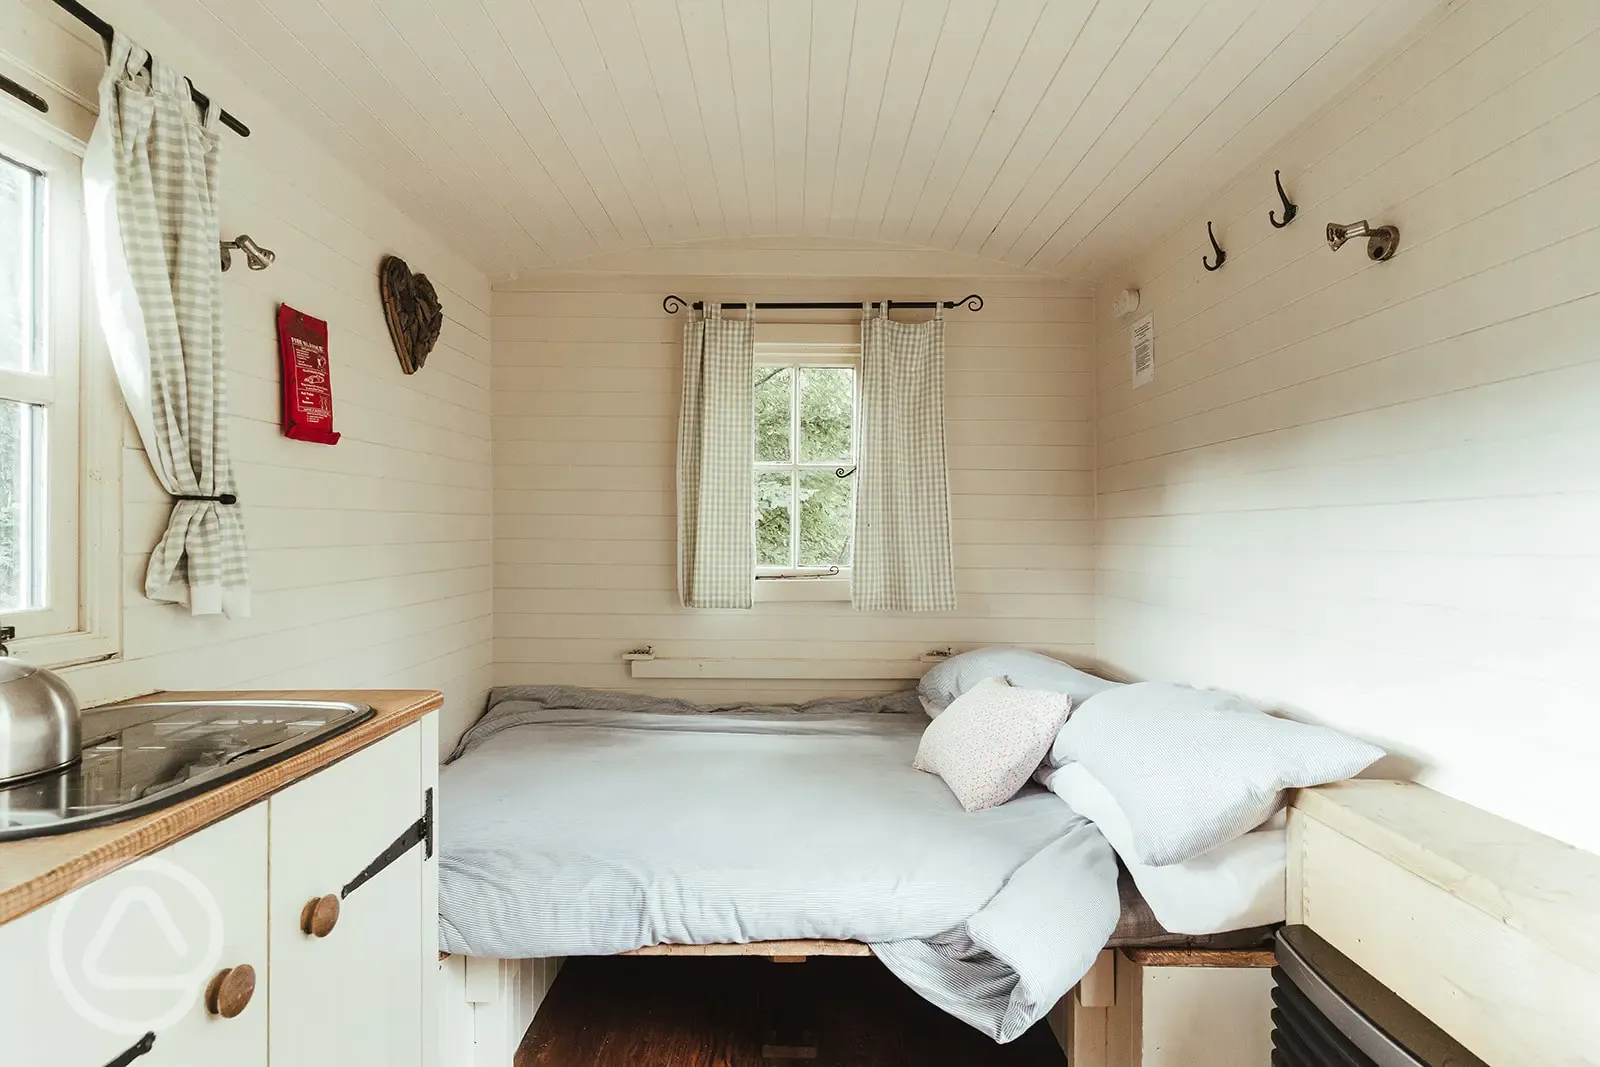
[137, 961]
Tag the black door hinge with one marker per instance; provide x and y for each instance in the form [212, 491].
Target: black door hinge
[418, 833]
[139, 1048]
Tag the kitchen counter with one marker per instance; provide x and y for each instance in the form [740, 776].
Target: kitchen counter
[35, 871]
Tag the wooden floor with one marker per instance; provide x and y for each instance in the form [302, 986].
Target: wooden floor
[689, 1012]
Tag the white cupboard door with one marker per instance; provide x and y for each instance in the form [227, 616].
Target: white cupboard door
[85, 977]
[353, 996]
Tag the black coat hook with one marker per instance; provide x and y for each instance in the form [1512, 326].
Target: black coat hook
[1222, 257]
[1289, 210]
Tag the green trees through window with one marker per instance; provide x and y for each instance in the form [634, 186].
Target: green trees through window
[20, 257]
[805, 434]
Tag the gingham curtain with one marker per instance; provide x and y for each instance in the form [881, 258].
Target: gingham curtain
[902, 535]
[150, 192]
[716, 457]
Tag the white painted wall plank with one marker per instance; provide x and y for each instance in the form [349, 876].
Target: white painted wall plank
[585, 422]
[372, 560]
[1367, 493]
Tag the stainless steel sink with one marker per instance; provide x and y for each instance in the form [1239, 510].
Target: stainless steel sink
[138, 758]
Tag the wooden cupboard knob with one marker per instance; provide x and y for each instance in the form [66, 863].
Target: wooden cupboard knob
[320, 916]
[230, 991]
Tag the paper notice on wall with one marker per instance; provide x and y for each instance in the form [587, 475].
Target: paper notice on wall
[1144, 351]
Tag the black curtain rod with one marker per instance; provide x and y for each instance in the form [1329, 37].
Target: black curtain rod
[23, 93]
[674, 304]
[106, 32]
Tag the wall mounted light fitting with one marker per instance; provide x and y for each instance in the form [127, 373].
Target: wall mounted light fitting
[1381, 240]
[256, 257]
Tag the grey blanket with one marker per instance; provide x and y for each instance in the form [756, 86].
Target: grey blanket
[580, 822]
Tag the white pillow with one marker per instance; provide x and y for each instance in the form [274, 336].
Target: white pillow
[1193, 768]
[1027, 670]
[989, 740]
[1235, 886]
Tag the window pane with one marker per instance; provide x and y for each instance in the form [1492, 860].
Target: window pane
[774, 391]
[827, 402]
[20, 189]
[21, 505]
[774, 499]
[825, 519]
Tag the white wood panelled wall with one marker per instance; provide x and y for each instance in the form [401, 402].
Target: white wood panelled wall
[1369, 492]
[587, 370]
[1042, 132]
[370, 560]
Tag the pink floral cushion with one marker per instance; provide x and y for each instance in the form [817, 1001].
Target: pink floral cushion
[990, 739]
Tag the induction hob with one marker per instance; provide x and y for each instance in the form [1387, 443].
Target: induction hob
[138, 758]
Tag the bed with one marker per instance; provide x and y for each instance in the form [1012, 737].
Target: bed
[582, 822]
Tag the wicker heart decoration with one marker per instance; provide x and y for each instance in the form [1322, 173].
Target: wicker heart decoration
[411, 308]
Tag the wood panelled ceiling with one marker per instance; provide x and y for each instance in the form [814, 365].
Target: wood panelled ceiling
[1046, 134]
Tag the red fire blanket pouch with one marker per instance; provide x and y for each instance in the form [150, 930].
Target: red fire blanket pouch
[307, 392]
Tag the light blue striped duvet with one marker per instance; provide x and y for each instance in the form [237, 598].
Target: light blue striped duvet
[579, 822]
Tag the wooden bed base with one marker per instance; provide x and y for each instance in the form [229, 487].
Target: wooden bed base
[779, 951]
[785, 951]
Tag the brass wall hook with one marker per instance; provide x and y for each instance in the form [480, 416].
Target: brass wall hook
[1381, 240]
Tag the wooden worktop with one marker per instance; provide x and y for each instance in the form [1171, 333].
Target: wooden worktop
[1546, 889]
[37, 870]
[1489, 929]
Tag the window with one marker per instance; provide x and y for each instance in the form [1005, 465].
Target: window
[805, 445]
[52, 512]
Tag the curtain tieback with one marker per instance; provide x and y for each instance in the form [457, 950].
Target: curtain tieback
[220, 498]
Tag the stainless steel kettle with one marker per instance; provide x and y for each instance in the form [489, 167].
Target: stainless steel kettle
[40, 727]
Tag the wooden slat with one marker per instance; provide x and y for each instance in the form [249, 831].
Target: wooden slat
[872, 51]
[779, 950]
[531, 135]
[843, 669]
[1098, 987]
[1015, 33]
[1191, 73]
[1199, 957]
[789, 62]
[969, 37]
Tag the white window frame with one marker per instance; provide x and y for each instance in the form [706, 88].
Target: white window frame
[807, 583]
[80, 621]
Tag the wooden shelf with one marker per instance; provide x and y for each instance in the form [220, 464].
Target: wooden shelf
[757, 669]
[1200, 957]
[778, 950]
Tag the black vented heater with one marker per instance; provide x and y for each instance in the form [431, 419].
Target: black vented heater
[1327, 1012]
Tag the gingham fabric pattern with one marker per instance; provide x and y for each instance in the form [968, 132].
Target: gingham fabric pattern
[716, 459]
[902, 531]
[990, 739]
[156, 265]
